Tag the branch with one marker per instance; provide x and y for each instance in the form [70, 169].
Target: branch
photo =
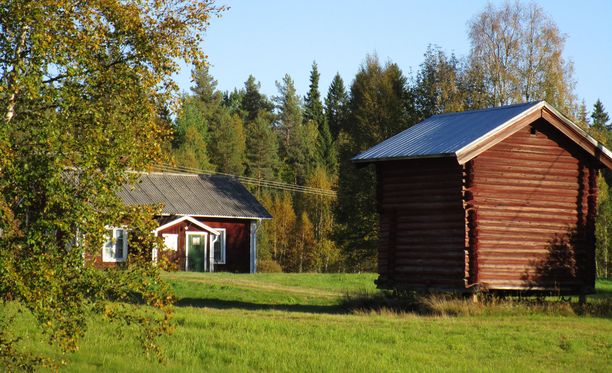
[106, 66]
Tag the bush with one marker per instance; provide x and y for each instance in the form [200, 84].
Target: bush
[268, 266]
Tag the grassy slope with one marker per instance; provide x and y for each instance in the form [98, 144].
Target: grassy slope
[291, 322]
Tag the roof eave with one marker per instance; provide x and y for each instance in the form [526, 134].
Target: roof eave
[219, 216]
[598, 149]
[386, 159]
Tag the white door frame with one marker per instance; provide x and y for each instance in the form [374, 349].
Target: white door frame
[206, 248]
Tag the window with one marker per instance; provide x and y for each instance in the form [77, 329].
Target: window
[219, 246]
[170, 241]
[116, 245]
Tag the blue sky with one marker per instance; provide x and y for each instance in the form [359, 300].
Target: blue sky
[271, 38]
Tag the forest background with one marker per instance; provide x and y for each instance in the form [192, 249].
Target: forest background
[516, 55]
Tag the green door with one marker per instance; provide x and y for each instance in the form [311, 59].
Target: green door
[196, 252]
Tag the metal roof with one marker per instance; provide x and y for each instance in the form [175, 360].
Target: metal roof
[191, 194]
[445, 134]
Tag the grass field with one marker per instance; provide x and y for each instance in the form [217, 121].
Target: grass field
[302, 322]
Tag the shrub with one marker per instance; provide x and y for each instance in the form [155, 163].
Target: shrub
[268, 266]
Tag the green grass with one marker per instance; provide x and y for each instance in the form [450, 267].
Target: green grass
[300, 322]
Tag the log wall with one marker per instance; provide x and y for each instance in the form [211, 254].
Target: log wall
[534, 197]
[422, 224]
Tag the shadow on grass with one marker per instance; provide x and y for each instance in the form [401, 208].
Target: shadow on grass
[598, 305]
[223, 304]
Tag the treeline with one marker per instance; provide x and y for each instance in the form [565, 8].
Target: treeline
[516, 56]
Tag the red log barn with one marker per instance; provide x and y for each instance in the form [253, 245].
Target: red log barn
[208, 222]
[500, 199]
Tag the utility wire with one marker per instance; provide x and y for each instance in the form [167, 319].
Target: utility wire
[164, 167]
[253, 181]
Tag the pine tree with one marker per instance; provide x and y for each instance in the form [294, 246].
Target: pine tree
[228, 143]
[289, 111]
[262, 148]
[205, 87]
[336, 105]
[599, 115]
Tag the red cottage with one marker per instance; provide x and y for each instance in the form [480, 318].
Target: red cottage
[208, 222]
[502, 199]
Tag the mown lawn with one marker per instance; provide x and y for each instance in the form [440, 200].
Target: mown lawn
[298, 322]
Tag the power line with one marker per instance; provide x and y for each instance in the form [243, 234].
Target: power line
[271, 184]
[253, 181]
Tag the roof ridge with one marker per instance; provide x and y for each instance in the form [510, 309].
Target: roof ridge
[530, 103]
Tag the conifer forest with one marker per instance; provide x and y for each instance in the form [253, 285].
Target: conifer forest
[299, 145]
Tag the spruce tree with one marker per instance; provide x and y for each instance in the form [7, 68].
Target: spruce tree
[233, 101]
[336, 105]
[313, 108]
[254, 101]
[599, 115]
[296, 139]
[313, 111]
[583, 116]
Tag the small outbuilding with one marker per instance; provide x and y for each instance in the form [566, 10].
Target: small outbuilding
[501, 199]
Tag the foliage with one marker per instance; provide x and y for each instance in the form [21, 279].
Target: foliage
[261, 148]
[378, 108]
[582, 116]
[268, 266]
[282, 229]
[253, 102]
[81, 87]
[599, 116]
[191, 135]
[297, 140]
[336, 103]
[320, 209]
[517, 50]
[438, 84]
[517, 55]
[228, 143]
[313, 112]
[302, 257]
[603, 231]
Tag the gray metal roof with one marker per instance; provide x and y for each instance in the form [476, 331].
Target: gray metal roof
[445, 134]
[191, 194]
